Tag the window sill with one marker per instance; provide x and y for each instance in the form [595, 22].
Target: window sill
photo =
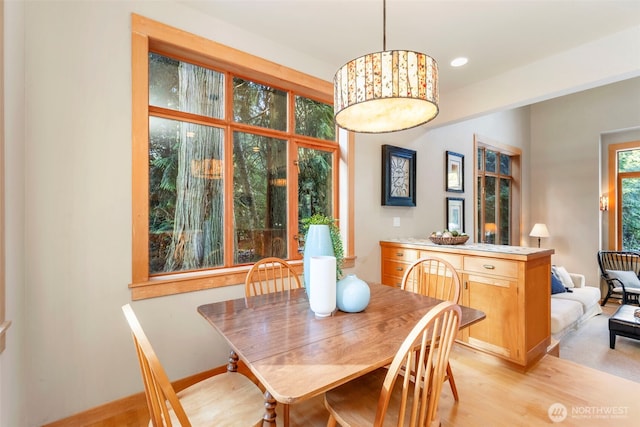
[226, 277]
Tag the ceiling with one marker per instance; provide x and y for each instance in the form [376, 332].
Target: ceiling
[496, 36]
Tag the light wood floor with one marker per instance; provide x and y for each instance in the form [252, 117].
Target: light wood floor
[492, 394]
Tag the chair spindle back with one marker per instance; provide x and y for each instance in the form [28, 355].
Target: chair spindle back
[270, 275]
[434, 277]
[426, 350]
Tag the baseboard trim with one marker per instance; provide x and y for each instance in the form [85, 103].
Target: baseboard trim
[135, 402]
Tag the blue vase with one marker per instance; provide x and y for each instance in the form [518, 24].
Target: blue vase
[352, 294]
[316, 243]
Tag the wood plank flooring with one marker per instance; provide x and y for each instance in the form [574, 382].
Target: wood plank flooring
[492, 394]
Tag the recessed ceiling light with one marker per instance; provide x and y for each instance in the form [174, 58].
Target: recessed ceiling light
[459, 62]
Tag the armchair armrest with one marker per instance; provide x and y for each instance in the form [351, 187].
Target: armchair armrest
[578, 280]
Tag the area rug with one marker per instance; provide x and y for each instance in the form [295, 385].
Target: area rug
[589, 345]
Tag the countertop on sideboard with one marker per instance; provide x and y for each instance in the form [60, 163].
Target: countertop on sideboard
[521, 253]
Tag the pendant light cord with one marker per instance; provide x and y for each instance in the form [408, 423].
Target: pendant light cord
[384, 25]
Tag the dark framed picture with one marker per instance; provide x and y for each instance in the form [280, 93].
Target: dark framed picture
[455, 214]
[398, 176]
[454, 172]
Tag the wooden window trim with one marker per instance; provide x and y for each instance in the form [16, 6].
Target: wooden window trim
[516, 182]
[146, 35]
[615, 214]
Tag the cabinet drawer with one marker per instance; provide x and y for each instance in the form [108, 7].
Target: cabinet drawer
[453, 259]
[393, 281]
[493, 266]
[394, 268]
[400, 254]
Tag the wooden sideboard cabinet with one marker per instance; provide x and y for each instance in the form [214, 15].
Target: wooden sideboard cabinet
[510, 284]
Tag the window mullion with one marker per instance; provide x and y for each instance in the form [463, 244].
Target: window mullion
[229, 238]
[292, 200]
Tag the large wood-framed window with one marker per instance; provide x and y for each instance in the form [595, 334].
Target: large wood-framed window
[624, 196]
[497, 192]
[230, 151]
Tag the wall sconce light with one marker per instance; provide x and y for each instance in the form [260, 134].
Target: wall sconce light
[604, 203]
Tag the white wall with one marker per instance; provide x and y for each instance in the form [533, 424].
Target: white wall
[375, 222]
[565, 167]
[14, 360]
[69, 211]
[69, 203]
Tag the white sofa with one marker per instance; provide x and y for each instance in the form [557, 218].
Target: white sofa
[570, 309]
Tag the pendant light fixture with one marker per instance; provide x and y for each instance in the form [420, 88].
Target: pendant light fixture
[386, 91]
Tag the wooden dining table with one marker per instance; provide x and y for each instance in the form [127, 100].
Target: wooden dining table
[297, 356]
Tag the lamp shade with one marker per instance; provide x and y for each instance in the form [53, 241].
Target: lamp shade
[539, 230]
[386, 91]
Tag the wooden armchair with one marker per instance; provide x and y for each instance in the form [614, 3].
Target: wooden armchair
[436, 278]
[228, 399]
[616, 268]
[400, 393]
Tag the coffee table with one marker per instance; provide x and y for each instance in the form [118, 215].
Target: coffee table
[624, 323]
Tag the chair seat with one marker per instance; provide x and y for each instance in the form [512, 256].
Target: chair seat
[628, 289]
[355, 403]
[228, 399]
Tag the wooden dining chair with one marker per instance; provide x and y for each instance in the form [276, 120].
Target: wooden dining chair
[408, 392]
[270, 275]
[267, 276]
[227, 399]
[436, 278]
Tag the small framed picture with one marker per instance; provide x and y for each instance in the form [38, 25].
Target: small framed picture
[454, 172]
[455, 214]
[398, 176]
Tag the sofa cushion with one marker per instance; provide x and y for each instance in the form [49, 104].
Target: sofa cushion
[556, 286]
[587, 297]
[562, 274]
[564, 313]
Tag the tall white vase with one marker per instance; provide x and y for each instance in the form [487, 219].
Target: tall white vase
[316, 243]
[322, 295]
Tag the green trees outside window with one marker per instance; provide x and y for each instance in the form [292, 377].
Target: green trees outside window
[629, 191]
[196, 147]
[494, 203]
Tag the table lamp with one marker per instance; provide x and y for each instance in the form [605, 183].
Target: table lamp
[539, 230]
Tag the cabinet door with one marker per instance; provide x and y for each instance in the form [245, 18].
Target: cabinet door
[497, 298]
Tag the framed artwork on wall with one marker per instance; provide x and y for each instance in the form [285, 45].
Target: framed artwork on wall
[398, 176]
[455, 214]
[454, 172]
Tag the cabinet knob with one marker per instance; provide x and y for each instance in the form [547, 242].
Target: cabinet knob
[400, 254]
[489, 266]
[399, 269]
